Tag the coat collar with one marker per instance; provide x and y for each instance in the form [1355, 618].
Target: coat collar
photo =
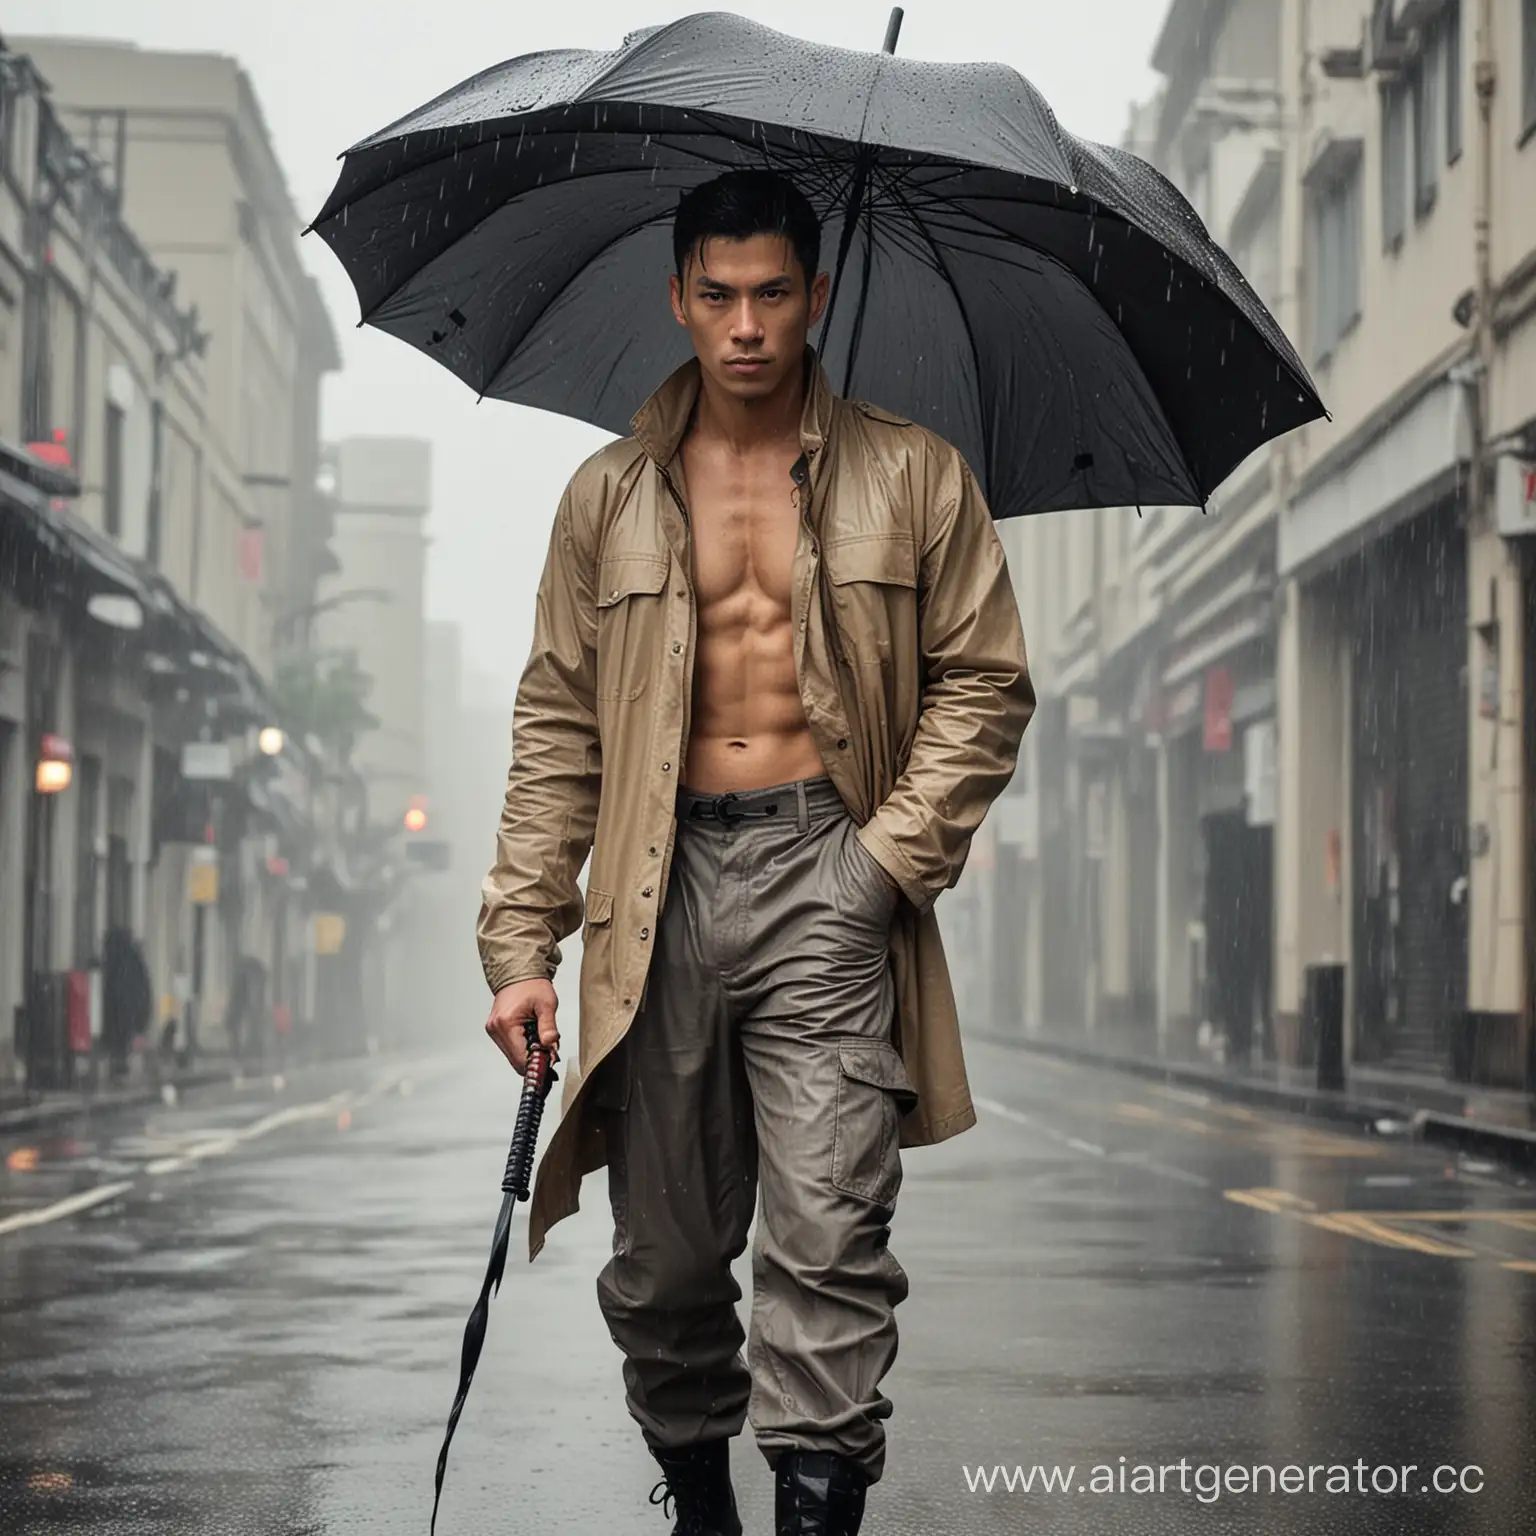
[661, 423]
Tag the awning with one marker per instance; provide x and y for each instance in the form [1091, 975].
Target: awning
[34, 550]
[50, 556]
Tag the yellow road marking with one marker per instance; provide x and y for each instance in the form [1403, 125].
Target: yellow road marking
[1246, 1129]
[1234, 1111]
[1275, 1201]
[1358, 1224]
[1524, 1221]
[1392, 1229]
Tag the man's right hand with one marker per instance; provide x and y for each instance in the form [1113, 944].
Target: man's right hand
[511, 1010]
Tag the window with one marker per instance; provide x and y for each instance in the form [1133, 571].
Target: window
[87, 952]
[1394, 165]
[1335, 256]
[1528, 16]
[113, 474]
[1424, 92]
[1450, 24]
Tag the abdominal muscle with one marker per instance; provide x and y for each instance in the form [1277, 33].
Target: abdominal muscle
[748, 729]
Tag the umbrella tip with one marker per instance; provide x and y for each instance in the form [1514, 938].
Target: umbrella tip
[893, 29]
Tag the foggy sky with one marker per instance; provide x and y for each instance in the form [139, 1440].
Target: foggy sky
[329, 72]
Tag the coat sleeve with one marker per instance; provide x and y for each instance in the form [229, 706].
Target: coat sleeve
[977, 697]
[531, 899]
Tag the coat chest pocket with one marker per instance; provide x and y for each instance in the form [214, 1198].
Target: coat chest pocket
[629, 589]
[873, 579]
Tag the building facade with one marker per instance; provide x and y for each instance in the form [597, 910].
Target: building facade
[1289, 733]
[135, 588]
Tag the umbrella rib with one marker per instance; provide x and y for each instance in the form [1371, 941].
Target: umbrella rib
[587, 175]
[1176, 260]
[490, 213]
[560, 292]
[965, 316]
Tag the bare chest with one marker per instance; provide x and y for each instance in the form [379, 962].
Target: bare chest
[745, 520]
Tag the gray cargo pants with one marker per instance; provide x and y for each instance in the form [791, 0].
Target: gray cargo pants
[761, 1059]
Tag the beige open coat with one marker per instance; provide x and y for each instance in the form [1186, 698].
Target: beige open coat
[912, 670]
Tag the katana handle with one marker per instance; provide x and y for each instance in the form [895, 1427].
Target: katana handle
[538, 1078]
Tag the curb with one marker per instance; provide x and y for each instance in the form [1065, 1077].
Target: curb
[68, 1107]
[1506, 1144]
[27, 1116]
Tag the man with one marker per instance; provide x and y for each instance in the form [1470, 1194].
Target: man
[777, 677]
[127, 997]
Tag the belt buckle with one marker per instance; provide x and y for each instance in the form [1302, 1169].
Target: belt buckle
[722, 809]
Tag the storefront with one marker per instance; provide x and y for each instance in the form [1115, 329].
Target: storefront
[1407, 595]
[1217, 726]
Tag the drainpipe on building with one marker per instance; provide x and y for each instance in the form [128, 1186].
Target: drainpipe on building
[1485, 77]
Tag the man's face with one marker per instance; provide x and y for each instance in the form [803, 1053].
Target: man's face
[748, 310]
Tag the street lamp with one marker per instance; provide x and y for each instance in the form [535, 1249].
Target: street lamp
[271, 741]
[55, 766]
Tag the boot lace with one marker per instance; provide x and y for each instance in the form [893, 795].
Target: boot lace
[691, 1524]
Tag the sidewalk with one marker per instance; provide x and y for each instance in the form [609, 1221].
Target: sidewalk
[1492, 1123]
[20, 1111]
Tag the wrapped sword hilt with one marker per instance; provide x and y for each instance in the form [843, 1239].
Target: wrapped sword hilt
[539, 1076]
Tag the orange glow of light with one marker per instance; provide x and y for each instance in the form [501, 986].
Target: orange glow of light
[22, 1160]
[54, 774]
[415, 819]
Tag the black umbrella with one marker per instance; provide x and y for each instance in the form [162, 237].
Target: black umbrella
[1052, 307]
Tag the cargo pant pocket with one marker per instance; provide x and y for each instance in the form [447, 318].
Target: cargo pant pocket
[873, 1093]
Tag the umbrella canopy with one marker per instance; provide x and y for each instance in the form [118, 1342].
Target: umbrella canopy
[1052, 307]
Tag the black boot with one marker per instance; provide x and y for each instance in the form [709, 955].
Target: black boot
[697, 1483]
[818, 1494]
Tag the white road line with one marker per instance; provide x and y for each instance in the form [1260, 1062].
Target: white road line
[210, 1146]
[220, 1146]
[1003, 1112]
[1164, 1170]
[66, 1207]
[1090, 1149]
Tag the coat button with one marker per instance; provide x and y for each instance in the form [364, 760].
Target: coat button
[648, 891]
[645, 933]
[842, 743]
[666, 767]
[677, 647]
[652, 850]
[613, 594]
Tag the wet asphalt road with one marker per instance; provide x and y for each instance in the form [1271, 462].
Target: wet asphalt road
[258, 1331]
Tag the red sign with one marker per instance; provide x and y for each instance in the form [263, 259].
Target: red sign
[252, 543]
[54, 452]
[79, 1012]
[1219, 691]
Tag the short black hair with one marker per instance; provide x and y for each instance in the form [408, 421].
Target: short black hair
[741, 204]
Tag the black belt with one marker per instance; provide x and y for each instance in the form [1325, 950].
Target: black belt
[730, 808]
